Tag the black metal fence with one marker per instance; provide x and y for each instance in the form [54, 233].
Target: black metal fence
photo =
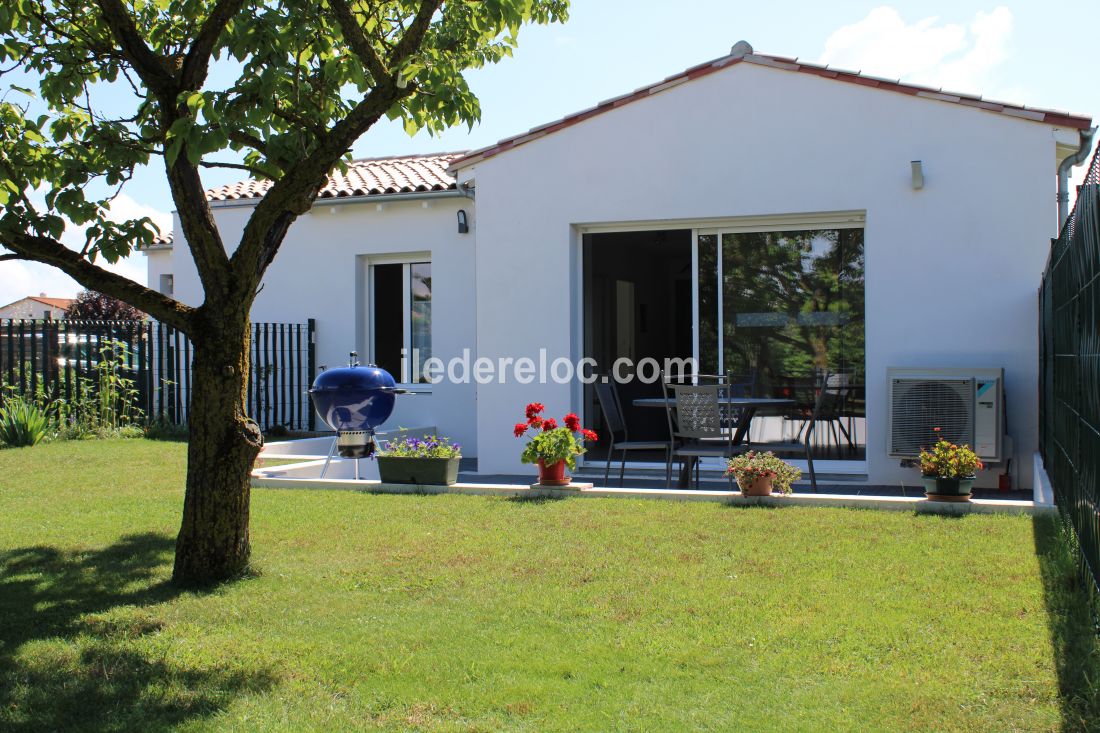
[60, 359]
[1069, 387]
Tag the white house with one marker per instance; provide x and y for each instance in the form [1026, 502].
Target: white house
[39, 306]
[763, 215]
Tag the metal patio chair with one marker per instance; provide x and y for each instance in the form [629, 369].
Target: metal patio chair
[607, 393]
[697, 427]
[827, 403]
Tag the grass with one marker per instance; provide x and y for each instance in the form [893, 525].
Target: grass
[452, 613]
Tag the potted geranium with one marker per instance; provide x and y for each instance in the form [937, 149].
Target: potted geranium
[552, 447]
[761, 474]
[427, 461]
[948, 471]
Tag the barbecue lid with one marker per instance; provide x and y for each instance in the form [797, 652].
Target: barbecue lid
[354, 378]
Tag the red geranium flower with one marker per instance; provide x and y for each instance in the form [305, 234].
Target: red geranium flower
[549, 424]
[533, 409]
[589, 435]
[572, 422]
[535, 421]
[520, 429]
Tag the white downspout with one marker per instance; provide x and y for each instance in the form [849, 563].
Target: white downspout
[1063, 174]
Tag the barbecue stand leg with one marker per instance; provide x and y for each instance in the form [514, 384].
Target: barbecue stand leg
[328, 460]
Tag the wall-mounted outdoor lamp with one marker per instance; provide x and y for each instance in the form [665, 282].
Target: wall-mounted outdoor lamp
[918, 174]
[463, 226]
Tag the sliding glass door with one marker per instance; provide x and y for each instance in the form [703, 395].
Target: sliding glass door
[777, 306]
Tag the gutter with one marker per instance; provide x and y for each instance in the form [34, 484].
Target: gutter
[1063, 174]
[379, 198]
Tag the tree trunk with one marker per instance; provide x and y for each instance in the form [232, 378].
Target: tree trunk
[213, 541]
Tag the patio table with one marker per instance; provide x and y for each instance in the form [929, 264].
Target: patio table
[746, 407]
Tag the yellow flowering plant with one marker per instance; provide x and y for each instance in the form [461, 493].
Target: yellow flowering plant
[949, 460]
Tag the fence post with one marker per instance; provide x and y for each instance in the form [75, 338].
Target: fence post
[311, 365]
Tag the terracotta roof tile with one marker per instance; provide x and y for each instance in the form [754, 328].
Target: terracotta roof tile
[52, 302]
[1034, 114]
[365, 177]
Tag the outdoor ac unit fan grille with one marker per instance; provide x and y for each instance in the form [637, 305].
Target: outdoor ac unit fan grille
[919, 406]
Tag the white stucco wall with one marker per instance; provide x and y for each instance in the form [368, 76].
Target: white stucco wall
[951, 270]
[30, 309]
[159, 261]
[320, 272]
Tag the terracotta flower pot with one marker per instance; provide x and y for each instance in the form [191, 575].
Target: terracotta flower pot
[759, 486]
[554, 474]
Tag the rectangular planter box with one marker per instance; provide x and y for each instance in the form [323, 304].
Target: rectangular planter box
[423, 471]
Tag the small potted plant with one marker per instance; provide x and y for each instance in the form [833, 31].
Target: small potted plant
[761, 474]
[427, 461]
[948, 471]
[553, 448]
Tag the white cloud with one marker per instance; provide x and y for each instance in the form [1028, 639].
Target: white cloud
[949, 55]
[20, 279]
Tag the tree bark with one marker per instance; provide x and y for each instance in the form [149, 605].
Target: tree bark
[213, 543]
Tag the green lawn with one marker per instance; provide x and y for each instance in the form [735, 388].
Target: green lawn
[455, 613]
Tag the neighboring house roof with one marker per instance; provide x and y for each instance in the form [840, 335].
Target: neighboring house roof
[62, 303]
[1033, 114]
[163, 239]
[365, 177]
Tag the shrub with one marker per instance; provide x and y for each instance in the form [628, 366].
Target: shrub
[948, 460]
[22, 422]
[750, 466]
[164, 429]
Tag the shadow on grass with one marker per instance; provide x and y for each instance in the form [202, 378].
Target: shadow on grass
[1072, 633]
[84, 612]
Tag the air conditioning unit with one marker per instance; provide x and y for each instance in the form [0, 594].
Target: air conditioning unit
[967, 405]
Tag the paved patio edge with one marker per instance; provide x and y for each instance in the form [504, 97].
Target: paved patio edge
[262, 479]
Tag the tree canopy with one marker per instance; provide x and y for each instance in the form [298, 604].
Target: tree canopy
[279, 89]
[92, 306]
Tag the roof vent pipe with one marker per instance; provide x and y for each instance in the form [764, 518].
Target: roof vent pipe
[1063, 174]
[741, 48]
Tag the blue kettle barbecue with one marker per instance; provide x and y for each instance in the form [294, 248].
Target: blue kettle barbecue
[354, 401]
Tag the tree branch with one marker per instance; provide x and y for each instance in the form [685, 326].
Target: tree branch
[414, 36]
[52, 252]
[196, 63]
[150, 67]
[357, 40]
[199, 229]
[293, 194]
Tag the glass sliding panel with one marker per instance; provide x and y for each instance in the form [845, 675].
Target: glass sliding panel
[388, 317]
[708, 303]
[792, 305]
[420, 326]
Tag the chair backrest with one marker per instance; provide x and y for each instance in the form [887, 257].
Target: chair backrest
[670, 407]
[611, 408]
[698, 414]
[743, 385]
[831, 396]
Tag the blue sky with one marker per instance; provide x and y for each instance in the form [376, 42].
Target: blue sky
[1035, 53]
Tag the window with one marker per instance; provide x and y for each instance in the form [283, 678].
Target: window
[781, 304]
[401, 318]
[166, 284]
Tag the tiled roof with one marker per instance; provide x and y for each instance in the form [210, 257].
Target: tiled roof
[62, 303]
[1034, 114]
[365, 177]
[162, 240]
